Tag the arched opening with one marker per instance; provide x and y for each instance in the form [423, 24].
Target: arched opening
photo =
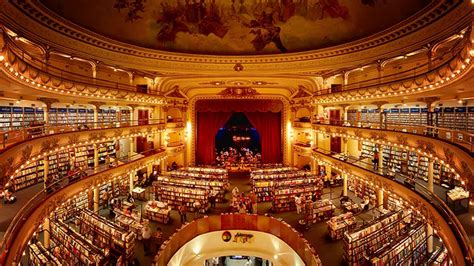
[237, 142]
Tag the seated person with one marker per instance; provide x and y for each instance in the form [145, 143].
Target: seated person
[365, 204]
[8, 197]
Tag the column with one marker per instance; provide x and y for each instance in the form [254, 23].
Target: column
[132, 146]
[149, 169]
[45, 114]
[132, 175]
[379, 105]
[314, 165]
[96, 156]
[431, 115]
[429, 241]
[380, 147]
[430, 174]
[96, 112]
[380, 198]
[344, 185]
[45, 170]
[46, 234]
[344, 146]
[96, 199]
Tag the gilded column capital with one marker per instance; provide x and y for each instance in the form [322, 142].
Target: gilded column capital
[48, 101]
[97, 104]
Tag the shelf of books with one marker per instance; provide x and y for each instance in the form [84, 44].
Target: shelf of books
[284, 197]
[416, 166]
[125, 116]
[5, 117]
[75, 249]
[105, 149]
[361, 242]
[175, 196]
[39, 255]
[406, 116]
[114, 188]
[207, 170]
[369, 115]
[319, 210]
[407, 249]
[74, 206]
[440, 257]
[352, 116]
[340, 224]
[216, 186]
[31, 175]
[107, 116]
[264, 180]
[105, 233]
[368, 149]
[362, 190]
[187, 173]
[157, 211]
[130, 221]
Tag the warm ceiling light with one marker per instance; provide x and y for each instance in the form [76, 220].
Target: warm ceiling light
[2, 58]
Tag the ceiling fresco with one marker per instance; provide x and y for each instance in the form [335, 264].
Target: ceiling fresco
[235, 27]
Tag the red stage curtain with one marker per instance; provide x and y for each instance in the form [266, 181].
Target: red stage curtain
[268, 125]
[208, 123]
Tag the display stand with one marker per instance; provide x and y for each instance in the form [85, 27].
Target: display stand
[139, 193]
[130, 222]
[175, 196]
[340, 224]
[319, 211]
[157, 211]
[457, 196]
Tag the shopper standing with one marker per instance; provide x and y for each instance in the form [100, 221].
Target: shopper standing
[146, 236]
[375, 161]
[253, 202]
[298, 204]
[182, 213]
[212, 197]
[197, 208]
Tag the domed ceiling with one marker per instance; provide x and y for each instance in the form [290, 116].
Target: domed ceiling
[235, 27]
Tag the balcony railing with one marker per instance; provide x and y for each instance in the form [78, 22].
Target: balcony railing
[460, 138]
[419, 188]
[11, 137]
[17, 222]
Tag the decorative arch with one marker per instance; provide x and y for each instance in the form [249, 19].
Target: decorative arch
[284, 108]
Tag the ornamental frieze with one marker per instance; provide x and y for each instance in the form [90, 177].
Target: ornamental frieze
[73, 139]
[402, 140]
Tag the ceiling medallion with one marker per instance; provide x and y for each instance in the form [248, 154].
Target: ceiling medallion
[239, 92]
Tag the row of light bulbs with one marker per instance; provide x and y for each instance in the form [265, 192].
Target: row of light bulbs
[341, 98]
[39, 157]
[66, 92]
[406, 147]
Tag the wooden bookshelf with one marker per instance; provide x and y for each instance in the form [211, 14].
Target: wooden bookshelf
[39, 255]
[319, 210]
[75, 248]
[157, 211]
[217, 186]
[361, 243]
[175, 196]
[107, 234]
[340, 224]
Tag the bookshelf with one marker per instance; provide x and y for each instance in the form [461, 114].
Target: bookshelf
[175, 196]
[125, 116]
[74, 206]
[74, 247]
[188, 173]
[361, 243]
[31, 175]
[340, 224]
[362, 190]
[319, 210]
[264, 181]
[105, 233]
[214, 185]
[157, 211]
[39, 255]
[368, 150]
[408, 249]
[352, 116]
[284, 197]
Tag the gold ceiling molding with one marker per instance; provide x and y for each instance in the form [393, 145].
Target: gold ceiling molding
[41, 15]
[57, 32]
[443, 75]
[240, 92]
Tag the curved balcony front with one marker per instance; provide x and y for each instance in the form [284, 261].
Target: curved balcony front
[424, 202]
[41, 205]
[28, 150]
[455, 158]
